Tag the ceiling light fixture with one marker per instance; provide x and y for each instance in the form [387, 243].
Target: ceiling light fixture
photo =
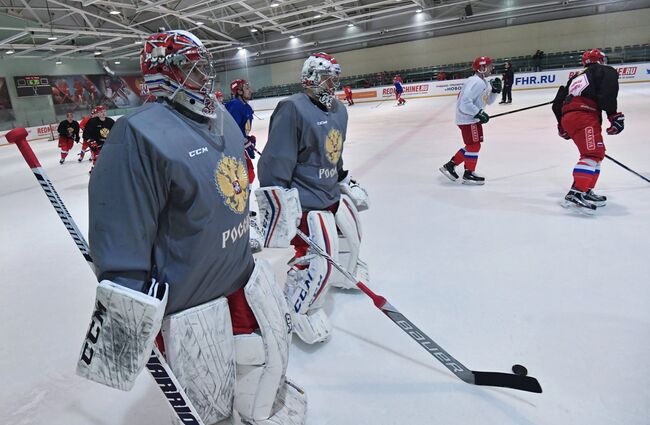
[253, 29]
[137, 42]
[418, 10]
[275, 4]
[52, 38]
[317, 16]
[10, 52]
[114, 12]
[240, 48]
[292, 36]
[58, 62]
[199, 23]
[117, 62]
[97, 53]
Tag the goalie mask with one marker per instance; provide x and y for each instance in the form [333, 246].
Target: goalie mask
[176, 65]
[320, 73]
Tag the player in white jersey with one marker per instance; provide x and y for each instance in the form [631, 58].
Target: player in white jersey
[477, 92]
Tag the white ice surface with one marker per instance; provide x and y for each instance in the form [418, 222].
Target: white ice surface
[497, 275]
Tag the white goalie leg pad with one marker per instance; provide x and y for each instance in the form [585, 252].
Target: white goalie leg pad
[280, 215]
[262, 359]
[256, 239]
[200, 350]
[357, 194]
[306, 289]
[350, 234]
[290, 408]
[121, 335]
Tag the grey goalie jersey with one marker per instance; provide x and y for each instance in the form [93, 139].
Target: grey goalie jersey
[169, 198]
[304, 150]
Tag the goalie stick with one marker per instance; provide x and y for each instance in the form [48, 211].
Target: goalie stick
[491, 379]
[156, 365]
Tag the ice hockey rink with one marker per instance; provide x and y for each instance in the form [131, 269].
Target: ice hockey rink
[497, 275]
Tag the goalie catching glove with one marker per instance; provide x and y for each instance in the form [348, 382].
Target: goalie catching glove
[358, 194]
[121, 335]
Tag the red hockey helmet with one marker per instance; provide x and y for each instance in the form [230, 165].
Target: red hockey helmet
[97, 109]
[482, 65]
[176, 65]
[237, 85]
[593, 56]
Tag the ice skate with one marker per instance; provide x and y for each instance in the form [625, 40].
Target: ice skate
[449, 171]
[61, 161]
[597, 200]
[470, 178]
[576, 200]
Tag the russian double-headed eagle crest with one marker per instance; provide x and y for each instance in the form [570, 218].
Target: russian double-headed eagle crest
[333, 146]
[232, 181]
[104, 132]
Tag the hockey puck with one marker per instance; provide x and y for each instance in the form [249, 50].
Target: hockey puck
[519, 370]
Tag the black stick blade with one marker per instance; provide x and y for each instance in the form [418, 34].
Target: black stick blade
[507, 380]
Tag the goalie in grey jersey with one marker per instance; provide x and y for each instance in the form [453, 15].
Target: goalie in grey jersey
[169, 238]
[303, 184]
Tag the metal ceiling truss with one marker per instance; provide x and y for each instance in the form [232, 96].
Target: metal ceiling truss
[268, 30]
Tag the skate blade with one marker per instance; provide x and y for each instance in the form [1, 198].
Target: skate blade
[444, 171]
[473, 183]
[581, 210]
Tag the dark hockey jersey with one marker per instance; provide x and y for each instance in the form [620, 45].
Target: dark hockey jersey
[69, 129]
[594, 89]
[98, 130]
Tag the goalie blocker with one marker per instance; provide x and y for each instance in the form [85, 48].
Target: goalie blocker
[242, 376]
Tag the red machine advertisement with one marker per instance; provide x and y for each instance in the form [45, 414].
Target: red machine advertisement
[83, 92]
[6, 111]
[408, 89]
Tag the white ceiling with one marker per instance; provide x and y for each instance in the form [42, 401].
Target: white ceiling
[268, 30]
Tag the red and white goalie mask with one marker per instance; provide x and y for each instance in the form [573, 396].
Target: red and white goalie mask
[320, 73]
[176, 65]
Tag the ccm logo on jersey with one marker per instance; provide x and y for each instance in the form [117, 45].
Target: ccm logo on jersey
[321, 122]
[93, 333]
[236, 232]
[197, 152]
[326, 172]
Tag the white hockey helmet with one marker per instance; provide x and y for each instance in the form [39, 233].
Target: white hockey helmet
[176, 65]
[320, 73]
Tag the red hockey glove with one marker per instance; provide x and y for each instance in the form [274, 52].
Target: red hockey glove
[562, 132]
[618, 123]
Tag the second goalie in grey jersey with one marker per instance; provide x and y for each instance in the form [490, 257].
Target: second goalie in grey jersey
[303, 159]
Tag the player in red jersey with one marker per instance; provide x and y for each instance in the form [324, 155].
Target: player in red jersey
[578, 107]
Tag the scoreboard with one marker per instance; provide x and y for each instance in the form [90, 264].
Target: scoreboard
[33, 85]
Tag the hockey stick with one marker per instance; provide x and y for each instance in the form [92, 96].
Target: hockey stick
[156, 364]
[491, 379]
[627, 168]
[521, 109]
